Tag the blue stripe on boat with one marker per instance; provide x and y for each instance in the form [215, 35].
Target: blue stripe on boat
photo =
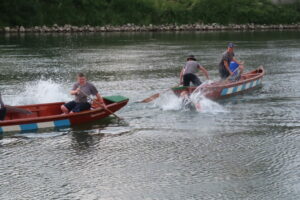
[224, 91]
[251, 84]
[28, 127]
[62, 123]
[244, 86]
[235, 89]
[1, 130]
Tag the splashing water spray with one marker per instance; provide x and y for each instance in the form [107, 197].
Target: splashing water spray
[41, 91]
[203, 104]
[195, 101]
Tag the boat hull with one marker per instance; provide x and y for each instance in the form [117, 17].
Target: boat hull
[222, 89]
[50, 116]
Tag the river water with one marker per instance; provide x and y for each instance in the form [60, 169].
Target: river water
[246, 147]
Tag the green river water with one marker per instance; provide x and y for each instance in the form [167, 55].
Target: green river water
[246, 147]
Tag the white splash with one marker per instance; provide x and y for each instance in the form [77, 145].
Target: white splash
[169, 101]
[41, 91]
[196, 101]
[206, 105]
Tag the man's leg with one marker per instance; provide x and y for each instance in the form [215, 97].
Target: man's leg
[85, 106]
[186, 80]
[66, 108]
[81, 107]
[195, 80]
[224, 73]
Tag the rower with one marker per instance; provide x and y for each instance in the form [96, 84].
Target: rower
[188, 73]
[227, 57]
[81, 90]
[2, 109]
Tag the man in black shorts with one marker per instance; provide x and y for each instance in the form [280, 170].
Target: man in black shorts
[189, 72]
[82, 89]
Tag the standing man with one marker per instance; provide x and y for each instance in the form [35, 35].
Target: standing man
[227, 57]
[188, 73]
[81, 90]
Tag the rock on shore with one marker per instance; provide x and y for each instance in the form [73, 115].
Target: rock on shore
[147, 28]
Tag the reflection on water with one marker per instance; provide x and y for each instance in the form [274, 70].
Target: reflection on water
[242, 148]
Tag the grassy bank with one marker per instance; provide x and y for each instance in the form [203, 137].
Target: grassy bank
[144, 12]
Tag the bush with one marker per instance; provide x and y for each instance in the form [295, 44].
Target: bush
[118, 12]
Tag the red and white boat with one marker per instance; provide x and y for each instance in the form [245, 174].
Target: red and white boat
[50, 115]
[223, 89]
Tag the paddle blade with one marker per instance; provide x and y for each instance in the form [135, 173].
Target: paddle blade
[14, 109]
[151, 98]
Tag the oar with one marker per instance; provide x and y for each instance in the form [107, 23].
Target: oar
[107, 110]
[100, 105]
[155, 96]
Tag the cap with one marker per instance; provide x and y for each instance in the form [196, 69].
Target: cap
[231, 45]
[192, 57]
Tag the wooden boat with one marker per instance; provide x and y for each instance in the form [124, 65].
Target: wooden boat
[49, 115]
[224, 89]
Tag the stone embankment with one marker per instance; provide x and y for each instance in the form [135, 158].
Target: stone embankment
[148, 28]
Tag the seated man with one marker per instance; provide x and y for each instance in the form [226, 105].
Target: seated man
[236, 71]
[82, 89]
[2, 109]
[188, 73]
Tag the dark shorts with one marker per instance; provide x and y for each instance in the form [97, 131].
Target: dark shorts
[77, 107]
[187, 78]
[2, 113]
[223, 73]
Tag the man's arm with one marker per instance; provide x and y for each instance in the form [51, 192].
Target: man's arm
[75, 91]
[238, 62]
[100, 100]
[204, 71]
[226, 64]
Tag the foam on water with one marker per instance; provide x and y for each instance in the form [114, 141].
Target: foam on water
[169, 101]
[206, 105]
[40, 91]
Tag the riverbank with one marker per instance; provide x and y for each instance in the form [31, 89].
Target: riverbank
[148, 28]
